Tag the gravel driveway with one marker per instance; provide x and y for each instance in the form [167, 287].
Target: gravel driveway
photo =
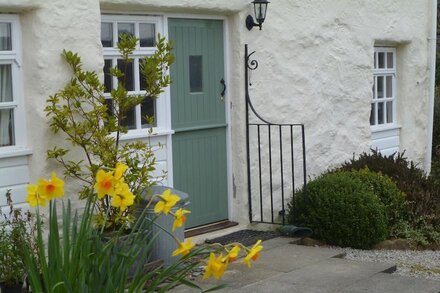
[422, 264]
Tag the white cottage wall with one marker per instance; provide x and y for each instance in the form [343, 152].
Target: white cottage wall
[48, 27]
[316, 62]
[315, 67]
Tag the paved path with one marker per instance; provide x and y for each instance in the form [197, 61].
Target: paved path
[284, 267]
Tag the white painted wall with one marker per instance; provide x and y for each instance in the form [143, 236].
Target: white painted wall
[315, 67]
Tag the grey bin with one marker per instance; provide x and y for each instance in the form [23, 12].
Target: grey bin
[164, 244]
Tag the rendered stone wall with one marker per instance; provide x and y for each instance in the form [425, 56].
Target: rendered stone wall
[47, 28]
[315, 67]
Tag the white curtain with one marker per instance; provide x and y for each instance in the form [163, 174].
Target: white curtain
[6, 115]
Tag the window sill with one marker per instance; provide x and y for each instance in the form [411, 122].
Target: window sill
[375, 129]
[139, 134]
[10, 152]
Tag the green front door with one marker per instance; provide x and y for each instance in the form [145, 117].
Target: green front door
[198, 118]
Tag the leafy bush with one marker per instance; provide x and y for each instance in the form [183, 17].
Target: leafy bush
[384, 188]
[435, 170]
[436, 126]
[341, 210]
[81, 111]
[422, 236]
[435, 165]
[16, 230]
[422, 194]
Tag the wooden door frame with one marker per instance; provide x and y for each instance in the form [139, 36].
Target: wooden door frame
[227, 102]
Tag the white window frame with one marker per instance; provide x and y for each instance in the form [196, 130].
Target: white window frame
[384, 72]
[13, 57]
[162, 124]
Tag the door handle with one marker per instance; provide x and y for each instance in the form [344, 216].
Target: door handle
[222, 95]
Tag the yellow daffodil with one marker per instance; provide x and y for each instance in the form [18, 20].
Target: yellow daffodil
[184, 248]
[216, 266]
[179, 218]
[123, 197]
[105, 183]
[233, 253]
[253, 254]
[119, 170]
[167, 202]
[52, 188]
[33, 198]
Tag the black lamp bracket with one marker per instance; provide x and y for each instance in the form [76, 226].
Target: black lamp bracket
[250, 23]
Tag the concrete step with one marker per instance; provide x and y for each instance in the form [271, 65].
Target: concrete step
[330, 275]
[290, 268]
[278, 257]
[290, 257]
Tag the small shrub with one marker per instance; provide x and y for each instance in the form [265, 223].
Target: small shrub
[388, 193]
[82, 113]
[422, 194]
[422, 236]
[436, 126]
[16, 230]
[435, 170]
[341, 210]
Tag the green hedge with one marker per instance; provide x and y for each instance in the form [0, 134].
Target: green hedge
[388, 193]
[422, 194]
[341, 209]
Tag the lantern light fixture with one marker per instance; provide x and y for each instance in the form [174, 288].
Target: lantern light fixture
[260, 9]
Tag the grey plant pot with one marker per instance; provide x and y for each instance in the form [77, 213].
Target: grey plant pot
[164, 244]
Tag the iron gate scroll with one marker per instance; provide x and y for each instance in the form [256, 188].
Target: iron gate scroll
[274, 152]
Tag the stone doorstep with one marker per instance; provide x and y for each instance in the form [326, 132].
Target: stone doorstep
[200, 239]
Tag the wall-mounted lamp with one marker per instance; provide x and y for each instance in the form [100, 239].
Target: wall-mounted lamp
[260, 9]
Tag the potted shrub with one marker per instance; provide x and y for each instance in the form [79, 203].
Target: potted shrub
[81, 112]
[15, 231]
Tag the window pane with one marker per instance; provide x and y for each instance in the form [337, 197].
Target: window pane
[148, 108]
[142, 80]
[381, 57]
[147, 35]
[7, 127]
[130, 119]
[108, 79]
[195, 74]
[127, 28]
[109, 104]
[389, 86]
[380, 113]
[390, 60]
[128, 78]
[107, 34]
[373, 114]
[390, 112]
[380, 87]
[6, 83]
[5, 36]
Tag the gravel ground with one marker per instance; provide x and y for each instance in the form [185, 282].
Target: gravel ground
[422, 264]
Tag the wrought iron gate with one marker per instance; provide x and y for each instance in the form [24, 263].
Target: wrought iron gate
[272, 160]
